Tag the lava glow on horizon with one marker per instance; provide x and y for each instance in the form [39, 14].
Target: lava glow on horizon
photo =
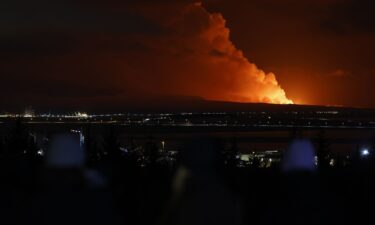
[197, 58]
[247, 83]
[173, 48]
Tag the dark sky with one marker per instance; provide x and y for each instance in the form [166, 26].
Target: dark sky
[81, 53]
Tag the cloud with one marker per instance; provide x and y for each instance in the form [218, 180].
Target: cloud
[135, 49]
[197, 58]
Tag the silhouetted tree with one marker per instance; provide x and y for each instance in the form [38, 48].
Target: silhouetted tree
[1, 146]
[152, 151]
[17, 142]
[255, 164]
[19, 158]
[232, 154]
[91, 147]
[340, 161]
[133, 153]
[111, 144]
[323, 150]
[32, 150]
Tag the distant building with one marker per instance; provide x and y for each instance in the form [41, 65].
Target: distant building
[263, 159]
[29, 112]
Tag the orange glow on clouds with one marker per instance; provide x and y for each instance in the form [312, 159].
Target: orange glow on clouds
[246, 82]
[192, 56]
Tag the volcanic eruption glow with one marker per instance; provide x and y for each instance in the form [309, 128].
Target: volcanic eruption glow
[250, 83]
[170, 49]
[213, 67]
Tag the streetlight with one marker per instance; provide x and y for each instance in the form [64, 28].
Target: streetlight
[365, 152]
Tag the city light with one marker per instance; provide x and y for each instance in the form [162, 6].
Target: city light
[365, 152]
[82, 115]
[40, 152]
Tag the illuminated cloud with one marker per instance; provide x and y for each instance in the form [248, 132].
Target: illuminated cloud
[119, 53]
[195, 57]
[115, 53]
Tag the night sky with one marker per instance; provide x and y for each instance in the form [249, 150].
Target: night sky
[81, 53]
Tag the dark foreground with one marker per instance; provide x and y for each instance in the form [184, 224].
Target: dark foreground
[201, 187]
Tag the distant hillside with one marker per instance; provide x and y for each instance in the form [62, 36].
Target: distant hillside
[192, 104]
[185, 104]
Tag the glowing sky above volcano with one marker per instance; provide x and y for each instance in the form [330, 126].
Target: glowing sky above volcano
[119, 53]
[197, 58]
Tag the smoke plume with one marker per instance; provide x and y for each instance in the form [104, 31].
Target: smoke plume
[111, 56]
[197, 58]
